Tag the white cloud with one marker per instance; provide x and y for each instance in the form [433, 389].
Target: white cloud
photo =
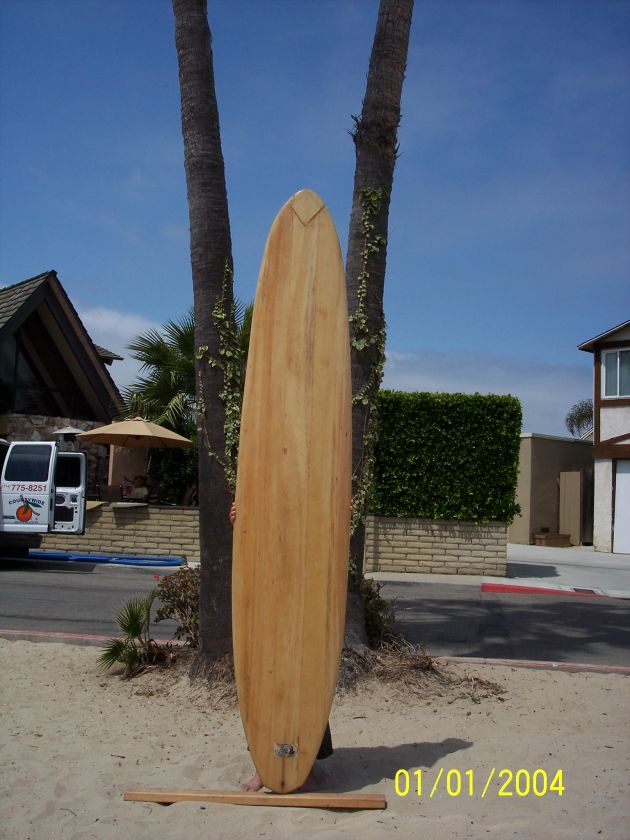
[546, 391]
[114, 330]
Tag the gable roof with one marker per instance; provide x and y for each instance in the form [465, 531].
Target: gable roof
[44, 296]
[607, 337]
[108, 356]
[13, 298]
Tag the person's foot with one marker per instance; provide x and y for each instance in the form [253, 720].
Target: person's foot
[254, 784]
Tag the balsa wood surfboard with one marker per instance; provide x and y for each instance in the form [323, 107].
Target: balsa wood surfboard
[293, 492]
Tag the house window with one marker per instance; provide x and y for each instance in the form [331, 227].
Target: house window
[616, 373]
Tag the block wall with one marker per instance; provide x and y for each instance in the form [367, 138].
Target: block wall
[134, 530]
[435, 546]
[391, 545]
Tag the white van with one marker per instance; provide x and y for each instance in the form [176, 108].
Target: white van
[42, 489]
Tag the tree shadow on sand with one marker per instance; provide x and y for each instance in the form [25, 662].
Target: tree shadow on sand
[353, 768]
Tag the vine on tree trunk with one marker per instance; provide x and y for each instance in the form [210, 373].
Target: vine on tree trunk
[363, 339]
[229, 361]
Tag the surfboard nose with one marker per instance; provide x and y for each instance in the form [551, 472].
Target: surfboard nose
[306, 205]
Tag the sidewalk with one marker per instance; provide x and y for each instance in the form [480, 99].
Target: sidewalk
[531, 568]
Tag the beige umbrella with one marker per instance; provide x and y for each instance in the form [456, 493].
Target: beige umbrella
[136, 432]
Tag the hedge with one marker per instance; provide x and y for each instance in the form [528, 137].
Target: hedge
[446, 456]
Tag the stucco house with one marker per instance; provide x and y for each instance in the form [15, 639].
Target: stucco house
[611, 438]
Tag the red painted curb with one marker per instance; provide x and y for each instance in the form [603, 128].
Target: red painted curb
[536, 590]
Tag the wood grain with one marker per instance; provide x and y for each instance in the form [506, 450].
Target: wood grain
[293, 495]
[350, 801]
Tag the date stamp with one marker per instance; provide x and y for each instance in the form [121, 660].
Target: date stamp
[471, 783]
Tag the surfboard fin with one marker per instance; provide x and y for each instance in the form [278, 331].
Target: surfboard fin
[285, 750]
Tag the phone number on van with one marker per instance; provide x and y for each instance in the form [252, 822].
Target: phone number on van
[25, 488]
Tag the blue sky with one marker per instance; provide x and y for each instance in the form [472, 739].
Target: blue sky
[510, 219]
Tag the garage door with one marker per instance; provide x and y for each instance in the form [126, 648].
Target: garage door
[621, 542]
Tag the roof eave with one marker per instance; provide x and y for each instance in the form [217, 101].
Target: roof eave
[591, 345]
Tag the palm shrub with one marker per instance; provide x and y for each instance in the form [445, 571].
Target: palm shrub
[136, 650]
[165, 392]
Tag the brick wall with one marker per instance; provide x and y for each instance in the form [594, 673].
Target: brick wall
[391, 545]
[135, 530]
[435, 546]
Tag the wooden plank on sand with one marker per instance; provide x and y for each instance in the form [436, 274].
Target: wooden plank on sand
[348, 801]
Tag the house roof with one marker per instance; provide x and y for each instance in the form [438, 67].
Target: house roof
[607, 337]
[43, 297]
[108, 356]
[12, 298]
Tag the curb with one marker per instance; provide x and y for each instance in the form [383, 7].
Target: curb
[83, 639]
[534, 664]
[528, 589]
[540, 665]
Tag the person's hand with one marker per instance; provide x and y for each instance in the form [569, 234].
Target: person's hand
[233, 513]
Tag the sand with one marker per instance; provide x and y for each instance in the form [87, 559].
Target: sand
[73, 739]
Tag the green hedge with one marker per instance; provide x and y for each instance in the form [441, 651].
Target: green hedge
[446, 456]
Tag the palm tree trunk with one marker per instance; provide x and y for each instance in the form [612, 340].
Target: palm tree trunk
[211, 261]
[375, 139]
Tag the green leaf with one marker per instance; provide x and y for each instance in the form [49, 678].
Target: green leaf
[115, 651]
[133, 619]
[451, 456]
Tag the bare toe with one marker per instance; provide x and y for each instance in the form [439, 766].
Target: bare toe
[254, 784]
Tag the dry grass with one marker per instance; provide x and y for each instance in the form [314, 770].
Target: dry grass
[402, 667]
[409, 668]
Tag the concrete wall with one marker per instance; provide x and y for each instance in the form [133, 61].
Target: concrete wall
[435, 546]
[134, 530]
[520, 529]
[614, 420]
[602, 526]
[542, 458]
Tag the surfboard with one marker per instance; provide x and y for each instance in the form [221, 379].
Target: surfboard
[293, 490]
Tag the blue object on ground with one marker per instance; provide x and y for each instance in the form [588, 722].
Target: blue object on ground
[133, 560]
[115, 559]
[65, 555]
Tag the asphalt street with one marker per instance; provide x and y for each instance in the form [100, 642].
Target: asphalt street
[73, 598]
[452, 616]
[464, 621]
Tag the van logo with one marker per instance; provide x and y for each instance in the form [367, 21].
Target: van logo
[27, 508]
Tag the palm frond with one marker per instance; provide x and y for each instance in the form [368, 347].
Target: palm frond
[133, 618]
[116, 651]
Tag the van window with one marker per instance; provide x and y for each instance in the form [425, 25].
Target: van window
[28, 463]
[68, 472]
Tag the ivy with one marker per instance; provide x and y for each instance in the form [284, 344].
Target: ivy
[230, 362]
[446, 456]
[364, 339]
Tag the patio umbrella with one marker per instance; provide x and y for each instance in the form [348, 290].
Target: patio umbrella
[136, 432]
